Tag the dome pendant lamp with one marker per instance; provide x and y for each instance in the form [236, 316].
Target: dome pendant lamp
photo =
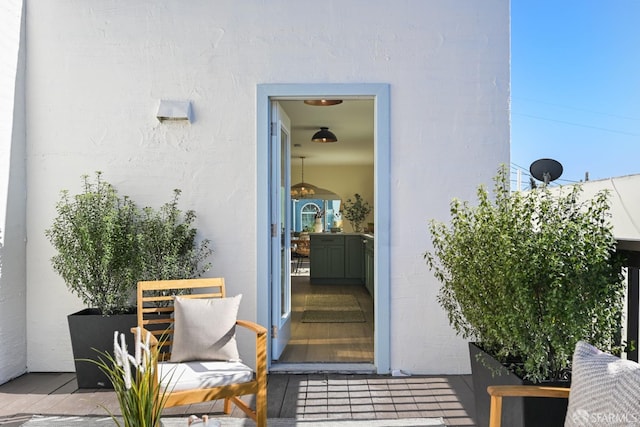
[324, 135]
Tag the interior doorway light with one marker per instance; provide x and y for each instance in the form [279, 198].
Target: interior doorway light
[324, 135]
[323, 102]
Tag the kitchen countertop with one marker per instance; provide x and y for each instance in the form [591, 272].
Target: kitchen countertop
[343, 234]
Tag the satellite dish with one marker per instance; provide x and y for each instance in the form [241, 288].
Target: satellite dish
[546, 170]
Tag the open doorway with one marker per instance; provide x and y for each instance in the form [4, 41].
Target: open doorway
[376, 310]
[332, 309]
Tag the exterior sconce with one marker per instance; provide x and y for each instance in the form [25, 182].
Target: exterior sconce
[174, 111]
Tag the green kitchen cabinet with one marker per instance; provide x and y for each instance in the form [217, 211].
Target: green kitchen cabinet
[337, 258]
[326, 257]
[354, 257]
[369, 265]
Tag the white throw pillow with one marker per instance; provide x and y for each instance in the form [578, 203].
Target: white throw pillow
[605, 390]
[205, 329]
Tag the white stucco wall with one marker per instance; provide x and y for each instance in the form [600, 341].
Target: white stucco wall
[13, 319]
[96, 71]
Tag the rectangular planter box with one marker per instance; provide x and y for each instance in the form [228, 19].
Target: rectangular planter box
[90, 330]
[516, 411]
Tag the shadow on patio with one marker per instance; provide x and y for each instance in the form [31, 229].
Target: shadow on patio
[289, 396]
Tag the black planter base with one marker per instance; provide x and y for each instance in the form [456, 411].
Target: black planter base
[516, 411]
[91, 331]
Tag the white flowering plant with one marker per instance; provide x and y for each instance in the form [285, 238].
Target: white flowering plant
[134, 380]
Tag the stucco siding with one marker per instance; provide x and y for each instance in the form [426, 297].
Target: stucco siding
[13, 319]
[97, 70]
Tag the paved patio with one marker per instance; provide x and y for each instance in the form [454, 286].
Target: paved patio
[289, 396]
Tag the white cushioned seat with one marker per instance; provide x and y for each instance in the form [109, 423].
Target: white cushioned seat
[206, 374]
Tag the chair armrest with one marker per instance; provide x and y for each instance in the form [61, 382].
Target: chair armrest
[261, 354]
[258, 329]
[497, 392]
[527, 391]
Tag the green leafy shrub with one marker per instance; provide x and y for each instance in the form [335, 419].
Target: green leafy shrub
[167, 243]
[527, 275]
[95, 236]
[355, 211]
[106, 245]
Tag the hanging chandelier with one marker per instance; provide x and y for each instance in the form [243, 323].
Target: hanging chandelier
[303, 190]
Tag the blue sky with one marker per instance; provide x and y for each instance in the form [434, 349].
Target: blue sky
[575, 86]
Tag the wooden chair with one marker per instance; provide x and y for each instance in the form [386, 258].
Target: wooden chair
[155, 308]
[497, 392]
[301, 251]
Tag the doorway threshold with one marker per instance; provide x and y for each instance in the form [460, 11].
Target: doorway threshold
[322, 368]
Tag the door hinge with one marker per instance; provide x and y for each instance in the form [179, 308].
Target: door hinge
[274, 331]
[274, 230]
[273, 129]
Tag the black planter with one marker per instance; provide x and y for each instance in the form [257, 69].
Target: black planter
[516, 411]
[90, 330]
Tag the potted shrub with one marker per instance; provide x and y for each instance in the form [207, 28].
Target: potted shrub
[355, 211]
[527, 275]
[94, 234]
[167, 246]
[105, 245]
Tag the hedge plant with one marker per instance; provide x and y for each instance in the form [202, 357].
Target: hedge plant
[527, 275]
[167, 243]
[105, 245]
[95, 236]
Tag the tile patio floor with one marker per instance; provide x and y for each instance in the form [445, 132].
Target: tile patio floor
[289, 396]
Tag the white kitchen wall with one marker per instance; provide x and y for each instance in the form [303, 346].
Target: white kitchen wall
[97, 69]
[345, 181]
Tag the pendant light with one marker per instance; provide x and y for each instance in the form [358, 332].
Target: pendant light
[324, 135]
[304, 190]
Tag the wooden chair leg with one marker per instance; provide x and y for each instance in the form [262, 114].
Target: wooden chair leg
[261, 408]
[495, 417]
[227, 405]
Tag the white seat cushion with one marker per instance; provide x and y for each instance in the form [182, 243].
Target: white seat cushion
[207, 374]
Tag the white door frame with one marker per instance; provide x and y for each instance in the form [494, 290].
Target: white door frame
[381, 96]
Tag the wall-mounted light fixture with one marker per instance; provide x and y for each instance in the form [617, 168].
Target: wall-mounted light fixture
[174, 111]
